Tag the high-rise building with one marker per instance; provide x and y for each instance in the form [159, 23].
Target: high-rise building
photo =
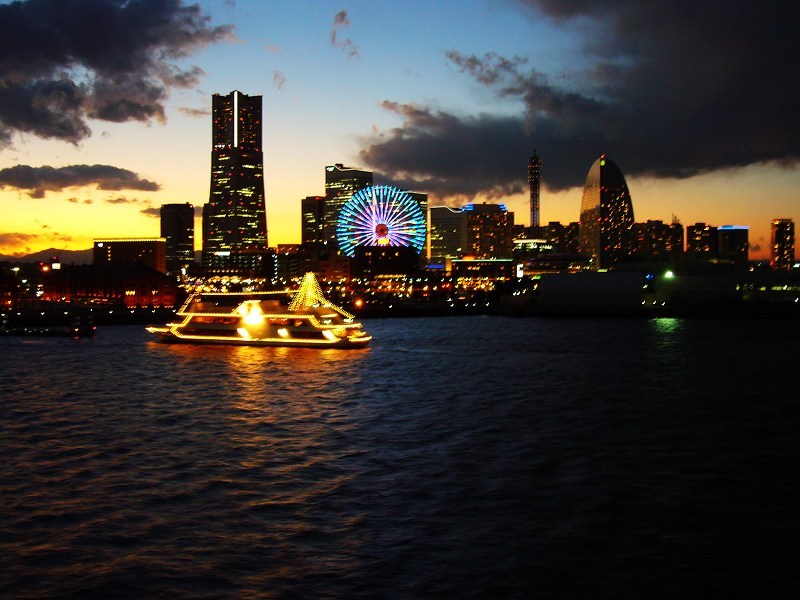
[312, 226]
[177, 227]
[535, 182]
[340, 184]
[702, 237]
[782, 244]
[235, 220]
[734, 242]
[489, 230]
[446, 235]
[606, 221]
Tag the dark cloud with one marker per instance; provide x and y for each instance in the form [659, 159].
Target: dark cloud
[671, 90]
[39, 180]
[448, 156]
[155, 211]
[63, 62]
[341, 20]
[278, 79]
[152, 211]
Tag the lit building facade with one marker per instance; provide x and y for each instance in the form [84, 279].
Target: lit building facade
[535, 183]
[606, 220]
[446, 234]
[658, 241]
[150, 252]
[489, 230]
[782, 244]
[131, 284]
[340, 184]
[702, 237]
[235, 216]
[177, 228]
[563, 238]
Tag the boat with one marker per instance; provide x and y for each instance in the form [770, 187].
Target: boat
[281, 318]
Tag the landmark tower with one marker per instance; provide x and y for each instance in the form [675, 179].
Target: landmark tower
[235, 220]
[606, 221]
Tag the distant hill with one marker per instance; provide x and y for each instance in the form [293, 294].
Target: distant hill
[67, 257]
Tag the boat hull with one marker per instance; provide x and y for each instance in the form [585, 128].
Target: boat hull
[168, 337]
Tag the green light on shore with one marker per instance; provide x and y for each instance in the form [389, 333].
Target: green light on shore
[669, 275]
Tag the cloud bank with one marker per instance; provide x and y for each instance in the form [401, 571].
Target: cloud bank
[63, 62]
[672, 90]
[36, 181]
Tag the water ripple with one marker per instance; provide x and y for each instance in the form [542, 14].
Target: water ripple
[462, 457]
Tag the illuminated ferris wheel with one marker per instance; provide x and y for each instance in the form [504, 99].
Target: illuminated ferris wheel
[380, 216]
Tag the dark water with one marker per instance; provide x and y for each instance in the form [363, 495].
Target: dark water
[464, 457]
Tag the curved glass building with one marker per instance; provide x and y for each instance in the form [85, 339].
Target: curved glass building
[606, 222]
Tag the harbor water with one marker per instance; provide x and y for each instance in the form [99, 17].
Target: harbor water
[462, 457]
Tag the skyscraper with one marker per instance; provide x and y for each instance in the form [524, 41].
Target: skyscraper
[782, 244]
[340, 184]
[534, 181]
[235, 218]
[606, 221]
[177, 227]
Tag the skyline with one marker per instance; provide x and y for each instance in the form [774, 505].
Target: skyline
[692, 104]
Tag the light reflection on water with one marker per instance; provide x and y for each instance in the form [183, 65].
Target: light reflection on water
[461, 457]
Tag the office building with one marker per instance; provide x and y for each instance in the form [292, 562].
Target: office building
[177, 228]
[782, 244]
[606, 220]
[234, 220]
[563, 238]
[150, 252]
[657, 241]
[534, 182]
[312, 226]
[702, 237]
[489, 230]
[734, 243]
[340, 184]
[446, 234]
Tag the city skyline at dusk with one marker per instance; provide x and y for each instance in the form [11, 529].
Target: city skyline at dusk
[103, 123]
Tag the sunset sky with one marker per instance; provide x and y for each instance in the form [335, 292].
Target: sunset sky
[105, 106]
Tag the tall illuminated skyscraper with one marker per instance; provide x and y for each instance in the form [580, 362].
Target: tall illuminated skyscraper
[235, 219]
[782, 244]
[606, 222]
[535, 182]
[340, 184]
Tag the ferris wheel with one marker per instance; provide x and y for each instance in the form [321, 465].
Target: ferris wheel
[380, 215]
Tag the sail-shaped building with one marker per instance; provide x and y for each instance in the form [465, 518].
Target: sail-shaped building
[606, 221]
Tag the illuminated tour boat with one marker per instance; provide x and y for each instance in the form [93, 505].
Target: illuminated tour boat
[261, 319]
